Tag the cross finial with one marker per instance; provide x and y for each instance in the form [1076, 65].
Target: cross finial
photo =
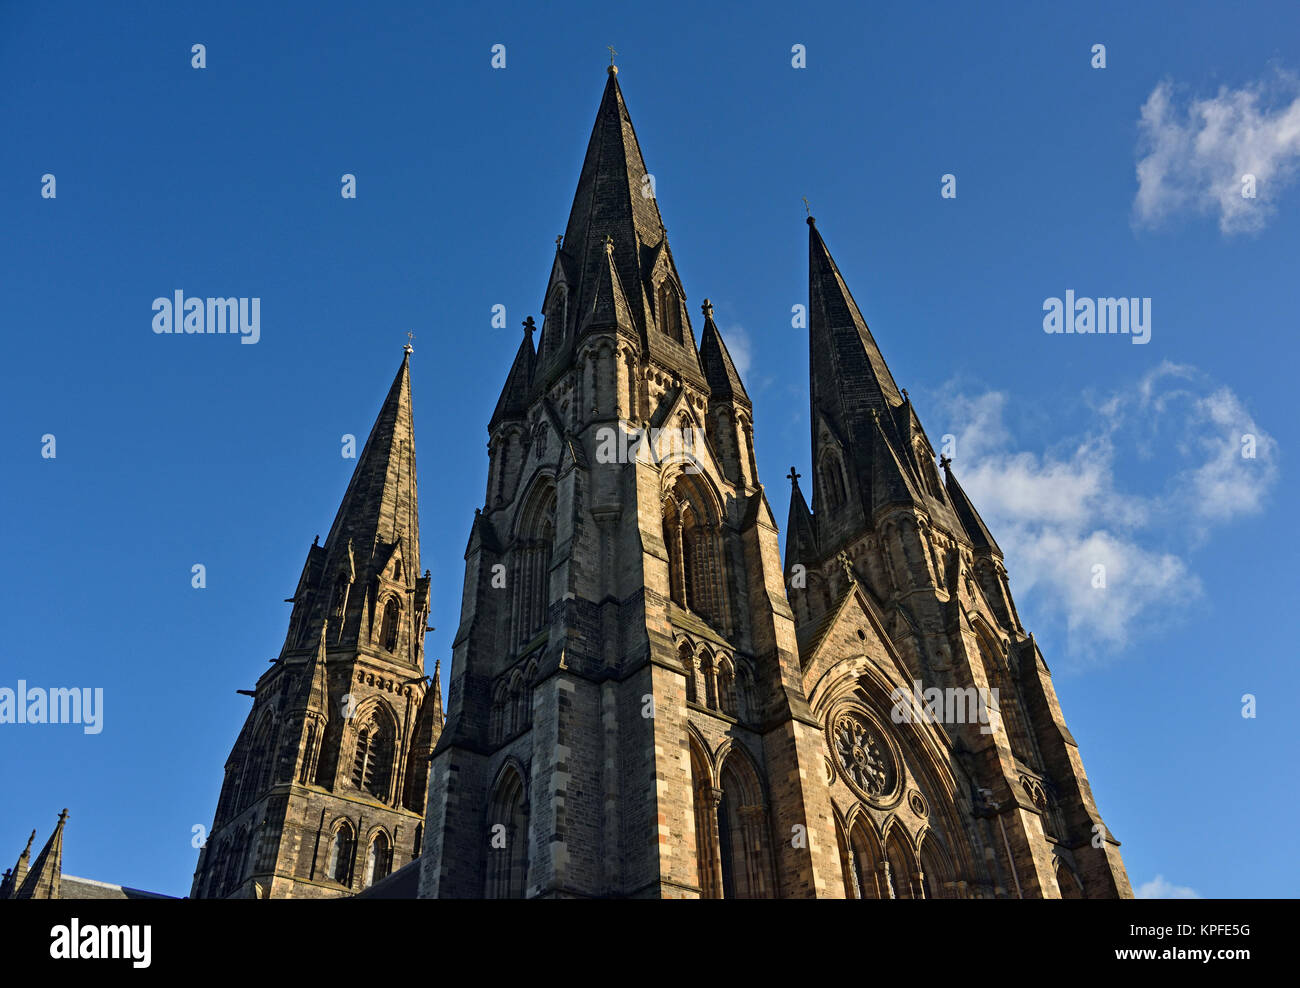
[529, 326]
[944, 461]
[847, 565]
[806, 208]
[612, 53]
[410, 337]
[707, 309]
[793, 476]
[904, 390]
[559, 241]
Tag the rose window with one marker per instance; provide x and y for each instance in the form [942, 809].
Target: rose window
[862, 756]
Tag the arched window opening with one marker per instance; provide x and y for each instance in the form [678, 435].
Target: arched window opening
[531, 563]
[710, 681]
[693, 539]
[726, 689]
[832, 478]
[507, 854]
[388, 630]
[864, 864]
[235, 864]
[1068, 883]
[306, 773]
[744, 844]
[902, 868]
[498, 717]
[688, 664]
[372, 761]
[256, 766]
[670, 311]
[707, 858]
[342, 849]
[379, 860]
[937, 877]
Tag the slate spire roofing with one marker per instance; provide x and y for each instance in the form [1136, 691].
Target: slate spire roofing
[379, 508]
[849, 374]
[719, 369]
[613, 266]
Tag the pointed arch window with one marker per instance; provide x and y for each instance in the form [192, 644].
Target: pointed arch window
[507, 861]
[388, 628]
[726, 689]
[693, 540]
[379, 860]
[342, 849]
[744, 847]
[688, 664]
[305, 772]
[372, 760]
[832, 478]
[531, 563]
[555, 328]
[669, 308]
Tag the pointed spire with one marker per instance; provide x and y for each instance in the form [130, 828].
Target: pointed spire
[437, 693]
[14, 879]
[614, 199]
[513, 402]
[970, 519]
[313, 690]
[609, 308]
[42, 882]
[381, 503]
[800, 535]
[719, 369]
[849, 374]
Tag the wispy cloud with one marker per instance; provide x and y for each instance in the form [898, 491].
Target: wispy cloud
[1110, 558]
[1193, 156]
[1160, 888]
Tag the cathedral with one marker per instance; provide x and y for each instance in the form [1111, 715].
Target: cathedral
[645, 699]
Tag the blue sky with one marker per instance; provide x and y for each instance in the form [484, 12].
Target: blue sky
[1079, 450]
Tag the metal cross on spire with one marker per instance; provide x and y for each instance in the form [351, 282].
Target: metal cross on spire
[410, 338]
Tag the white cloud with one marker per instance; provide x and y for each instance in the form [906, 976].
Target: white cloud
[1193, 157]
[741, 349]
[1060, 514]
[1160, 888]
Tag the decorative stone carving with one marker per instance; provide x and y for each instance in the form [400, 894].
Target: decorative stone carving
[863, 757]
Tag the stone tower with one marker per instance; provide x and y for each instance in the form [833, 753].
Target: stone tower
[325, 788]
[626, 714]
[952, 773]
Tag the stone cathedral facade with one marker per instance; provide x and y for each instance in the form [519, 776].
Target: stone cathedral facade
[645, 700]
[324, 791]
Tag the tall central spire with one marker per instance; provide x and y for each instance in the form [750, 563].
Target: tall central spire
[614, 199]
[613, 265]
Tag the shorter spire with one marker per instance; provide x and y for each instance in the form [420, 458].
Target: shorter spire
[42, 882]
[715, 360]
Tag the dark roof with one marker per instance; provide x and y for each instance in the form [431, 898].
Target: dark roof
[404, 883]
[85, 888]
